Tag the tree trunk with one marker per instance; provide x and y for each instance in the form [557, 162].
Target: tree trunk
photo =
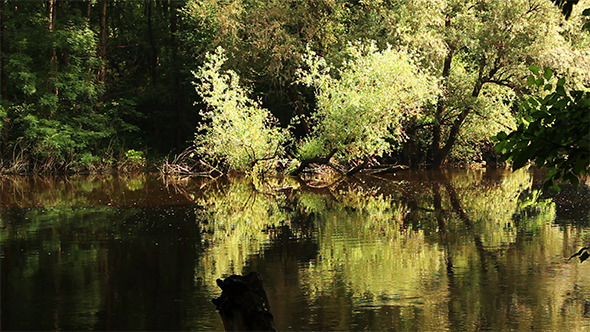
[440, 106]
[441, 154]
[154, 55]
[53, 57]
[316, 160]
[103, 42]
[3, 76]
[243, 305]
[180, 110]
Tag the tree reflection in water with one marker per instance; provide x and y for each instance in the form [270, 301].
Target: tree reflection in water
[458, 250]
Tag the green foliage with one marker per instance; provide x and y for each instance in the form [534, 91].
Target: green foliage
[51, 110]
[479, 50]
[363, 105]
[554, 131]
[236, 129]
[68, 105]
[70, 100]
[133, 161]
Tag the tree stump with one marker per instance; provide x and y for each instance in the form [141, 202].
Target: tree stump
[243, 305]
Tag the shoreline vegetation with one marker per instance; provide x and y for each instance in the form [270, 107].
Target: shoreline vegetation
[207, 87]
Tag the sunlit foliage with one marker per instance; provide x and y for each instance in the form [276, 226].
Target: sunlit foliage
[236, 129]
[481, 50]
[363, 104]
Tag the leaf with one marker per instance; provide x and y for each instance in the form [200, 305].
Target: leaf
[580, 164]
[548, 87]
[571, 178]
[522, 158]
[548, 73]
[531, 80]
[501, 136]
[534, 69]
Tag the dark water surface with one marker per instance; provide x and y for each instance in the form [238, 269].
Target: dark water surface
[417, 250]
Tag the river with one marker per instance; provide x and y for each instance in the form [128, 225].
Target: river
[416, 250]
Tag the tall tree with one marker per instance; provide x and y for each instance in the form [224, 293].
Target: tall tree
[3, 52]
[487, 46]
[103, 41]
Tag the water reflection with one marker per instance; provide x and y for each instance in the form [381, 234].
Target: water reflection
[418, 250]
[237, 221]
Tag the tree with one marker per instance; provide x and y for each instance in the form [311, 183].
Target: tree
[493, 51]
[553, 131]
[236, 129]
[50, 122]
[480, 50]
[363, 105]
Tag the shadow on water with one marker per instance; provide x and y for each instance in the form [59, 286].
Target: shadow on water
[417, 250]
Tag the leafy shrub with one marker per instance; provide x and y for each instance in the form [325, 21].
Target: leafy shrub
[236, 129]
[363, 105]
[132, 161]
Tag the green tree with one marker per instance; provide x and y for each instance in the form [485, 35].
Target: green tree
[51, 119]
[481, 50]
[267, 39]
[363, 105]
[236, 129]
[494, 51]
[83, 80]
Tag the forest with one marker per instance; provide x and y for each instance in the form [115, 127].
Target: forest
[251, 86]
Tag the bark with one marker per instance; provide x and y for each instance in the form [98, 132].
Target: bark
[357, 168]
[440, 110]
[180, 110]
[103, 42]
[316, 160]
[53, 57]
[154, 51]
[440, 106]
[174, 29]
[441, 154]
[51, 14]
[3, 45]
[243, 305]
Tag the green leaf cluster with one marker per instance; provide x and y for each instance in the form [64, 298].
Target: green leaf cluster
[553, 131]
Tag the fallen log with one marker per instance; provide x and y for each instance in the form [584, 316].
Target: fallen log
[243, 305]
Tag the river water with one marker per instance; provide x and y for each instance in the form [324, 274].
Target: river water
[415, 251]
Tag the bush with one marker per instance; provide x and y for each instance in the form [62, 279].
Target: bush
[236, 130]
[363, 105]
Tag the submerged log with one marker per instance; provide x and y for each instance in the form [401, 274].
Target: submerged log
[243, 305]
